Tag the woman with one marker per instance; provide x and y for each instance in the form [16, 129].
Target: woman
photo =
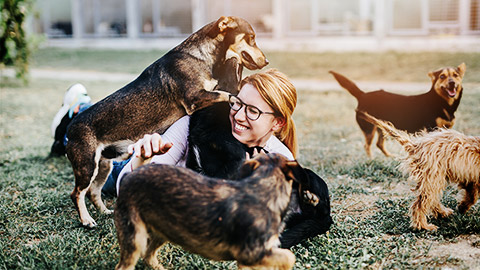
[260, 116]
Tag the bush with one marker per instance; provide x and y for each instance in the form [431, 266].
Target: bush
[14, 50]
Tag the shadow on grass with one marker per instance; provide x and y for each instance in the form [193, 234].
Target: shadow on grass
[394, 219]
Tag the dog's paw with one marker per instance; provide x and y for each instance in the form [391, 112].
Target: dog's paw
[310, 198]
[430, 227]
[446, 212]
[89, 223]
[107, 212]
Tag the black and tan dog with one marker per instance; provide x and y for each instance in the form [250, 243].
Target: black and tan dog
[214, 152]
[414, 113]
[218, 219]
[433, 160]
[179, 83]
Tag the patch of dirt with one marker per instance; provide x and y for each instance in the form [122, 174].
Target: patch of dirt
[465, 248]
[359, 205]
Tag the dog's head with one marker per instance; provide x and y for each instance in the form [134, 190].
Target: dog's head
[239, 34]
[268, 164]
[447, 82]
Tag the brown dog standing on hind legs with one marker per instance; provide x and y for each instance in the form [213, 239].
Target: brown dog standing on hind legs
[219, 219]
[433, 160]
[179, 83]
[436, 108]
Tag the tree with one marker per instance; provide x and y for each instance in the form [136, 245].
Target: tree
[14, 49]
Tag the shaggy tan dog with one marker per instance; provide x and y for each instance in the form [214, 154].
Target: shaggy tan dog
[433, 160]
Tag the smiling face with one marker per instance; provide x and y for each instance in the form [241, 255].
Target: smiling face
[249, 132]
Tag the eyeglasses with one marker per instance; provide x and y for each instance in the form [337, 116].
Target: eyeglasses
[252, 112]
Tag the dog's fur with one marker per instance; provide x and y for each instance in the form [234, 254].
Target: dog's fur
[214, 152]
[414, 113]
[310, 211]
[218, 219]
[433, 160]
[177, 84]
[212, 149]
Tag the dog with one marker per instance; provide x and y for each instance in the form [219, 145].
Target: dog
[433, 160]
[212, 149]
[436, 108]
[310, 211]
[179, 83]
[218, 219]
[214, 152]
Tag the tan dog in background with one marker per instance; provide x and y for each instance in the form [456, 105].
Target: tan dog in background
[433, 160]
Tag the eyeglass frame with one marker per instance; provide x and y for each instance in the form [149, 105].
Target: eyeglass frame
[246, 106]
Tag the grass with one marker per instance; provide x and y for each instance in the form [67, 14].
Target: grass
[39, 228]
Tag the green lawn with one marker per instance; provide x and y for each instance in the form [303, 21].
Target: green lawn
[39, 228]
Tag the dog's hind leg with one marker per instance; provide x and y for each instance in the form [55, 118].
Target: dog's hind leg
[368, 142]
[154, 244]
[132, 237]
[381, 143]
[84, 166]
[369, 131]
[95, 191]
[472, 191]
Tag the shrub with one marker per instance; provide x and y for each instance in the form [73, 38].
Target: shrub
[14, 50]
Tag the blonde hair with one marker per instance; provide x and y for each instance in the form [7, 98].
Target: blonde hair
[277, 90]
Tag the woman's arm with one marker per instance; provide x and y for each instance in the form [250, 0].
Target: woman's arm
[168, 148]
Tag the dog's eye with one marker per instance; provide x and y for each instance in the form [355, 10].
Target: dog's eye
[455, 75]
[251, 40]
[443, 76]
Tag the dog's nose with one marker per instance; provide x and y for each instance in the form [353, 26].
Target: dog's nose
[451, 83]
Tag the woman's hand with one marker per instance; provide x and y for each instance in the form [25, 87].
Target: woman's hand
[148, 146]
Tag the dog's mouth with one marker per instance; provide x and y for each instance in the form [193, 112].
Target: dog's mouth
[451, 91]
[250, 63]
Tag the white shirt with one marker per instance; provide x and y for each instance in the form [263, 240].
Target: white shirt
[177, 134]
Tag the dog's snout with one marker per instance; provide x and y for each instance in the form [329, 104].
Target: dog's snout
[451, 83]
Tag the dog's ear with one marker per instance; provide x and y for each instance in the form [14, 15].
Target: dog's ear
[434, 74]
[222, 24]
[247, 168]
[293, 170]
[461, 69]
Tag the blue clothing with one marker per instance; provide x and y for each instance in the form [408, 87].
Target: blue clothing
[109, 189]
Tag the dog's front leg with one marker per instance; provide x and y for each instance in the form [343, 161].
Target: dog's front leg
[277, 258]
[202, 99]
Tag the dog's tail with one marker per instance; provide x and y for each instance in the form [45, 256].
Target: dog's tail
[347, 84]
[117, 151]
[387, 127]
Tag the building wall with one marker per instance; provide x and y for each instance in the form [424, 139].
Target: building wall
[279, 18]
